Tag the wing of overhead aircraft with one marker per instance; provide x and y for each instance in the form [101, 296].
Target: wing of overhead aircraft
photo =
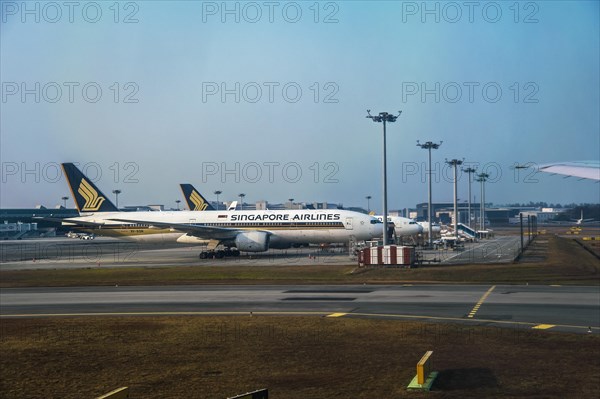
[582, 169]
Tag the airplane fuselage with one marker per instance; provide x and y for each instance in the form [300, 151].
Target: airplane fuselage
[403, 227]
[284, 227]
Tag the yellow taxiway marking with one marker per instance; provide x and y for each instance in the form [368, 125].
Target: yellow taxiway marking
[337, 314]
[543, 326]
[555, 285]
[480, 302]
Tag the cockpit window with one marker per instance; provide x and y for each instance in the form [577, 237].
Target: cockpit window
[375, 221]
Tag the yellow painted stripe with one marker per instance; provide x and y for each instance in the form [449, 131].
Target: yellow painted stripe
[543, 326]
[555, 285]
[337, 314]
[480, 302]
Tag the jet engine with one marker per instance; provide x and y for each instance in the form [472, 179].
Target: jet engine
[252, 241]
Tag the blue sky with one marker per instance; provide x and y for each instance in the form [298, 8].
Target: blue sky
[274, 105]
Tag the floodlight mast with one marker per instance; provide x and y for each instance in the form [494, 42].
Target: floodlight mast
[217, 194]
[429, 146]
[469, 170]
[116, 193]
[384, 117]
[482, 178]
[455, 163]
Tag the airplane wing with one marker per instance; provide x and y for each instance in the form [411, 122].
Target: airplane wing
[194, 229]
[68, 220]
[582, 169]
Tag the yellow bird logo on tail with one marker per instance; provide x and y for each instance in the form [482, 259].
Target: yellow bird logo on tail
[92, 200]
[199, 204]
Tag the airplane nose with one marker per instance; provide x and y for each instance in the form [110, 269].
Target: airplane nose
[377, 230]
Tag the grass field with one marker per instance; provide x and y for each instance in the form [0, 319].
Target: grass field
[299, 357]
[550, 260]
[295, 357]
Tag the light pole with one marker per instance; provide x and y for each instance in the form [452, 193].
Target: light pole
[469, 170]
[429, 146]
[384, 117]
[65, 201]
[116, 193]
[217, 194]
[368, 197]
[455, 163]
[241, 195]
[482, 178]
[177, 202]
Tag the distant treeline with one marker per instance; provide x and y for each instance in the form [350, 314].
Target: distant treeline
[551, 205]
[572, 211]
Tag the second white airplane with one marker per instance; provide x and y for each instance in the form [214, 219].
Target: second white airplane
[403, 227]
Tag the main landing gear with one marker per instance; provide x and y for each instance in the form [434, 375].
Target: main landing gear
[219, 254]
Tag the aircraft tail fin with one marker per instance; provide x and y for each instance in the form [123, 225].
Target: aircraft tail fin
[88, 198]
[232, 206]
[194, 200]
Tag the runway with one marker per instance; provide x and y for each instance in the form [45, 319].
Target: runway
[64, 253]
[556, 308]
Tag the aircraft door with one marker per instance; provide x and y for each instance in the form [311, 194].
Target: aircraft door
[348, 224]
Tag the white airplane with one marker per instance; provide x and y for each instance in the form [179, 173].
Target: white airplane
[435, 227]
[581, 220]
[403, 227]
[248, 231]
